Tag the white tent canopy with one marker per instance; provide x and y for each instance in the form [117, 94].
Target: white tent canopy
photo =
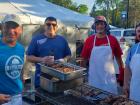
[34, 11]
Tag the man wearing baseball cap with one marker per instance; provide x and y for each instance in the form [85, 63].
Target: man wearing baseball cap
[11, 61]
[99, 50]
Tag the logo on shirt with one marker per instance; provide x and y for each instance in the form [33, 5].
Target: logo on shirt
[41, 41]
[13, 66]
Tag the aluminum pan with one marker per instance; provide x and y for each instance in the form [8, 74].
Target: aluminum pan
[78, 72]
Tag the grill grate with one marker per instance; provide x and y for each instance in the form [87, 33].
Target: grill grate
[82, 95]
[87, 90]
[73, 100]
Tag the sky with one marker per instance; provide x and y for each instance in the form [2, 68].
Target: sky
[89, 3]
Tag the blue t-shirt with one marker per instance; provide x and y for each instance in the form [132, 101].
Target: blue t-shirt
[11, 64]
[131, 52]
[41, 46]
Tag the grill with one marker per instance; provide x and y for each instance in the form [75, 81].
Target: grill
[73, 100]
[81, 95]
[100, 97]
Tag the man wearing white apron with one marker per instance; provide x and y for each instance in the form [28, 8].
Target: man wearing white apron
[101, 68]
[135, 79]
[132, 70]
[101, 61]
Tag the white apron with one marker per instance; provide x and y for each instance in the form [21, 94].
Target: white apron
[15, 100]
[135, 79]
[101, 68]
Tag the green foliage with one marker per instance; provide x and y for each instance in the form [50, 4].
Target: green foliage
[111, 9]
[73, 7]
[70, 5]
[134, 12]
[82, 8]
[64, 3]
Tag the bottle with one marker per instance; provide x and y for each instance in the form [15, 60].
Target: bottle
[51, 52]
[51, 55]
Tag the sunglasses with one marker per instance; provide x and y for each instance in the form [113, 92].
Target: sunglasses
[49, 24]
[100, 23]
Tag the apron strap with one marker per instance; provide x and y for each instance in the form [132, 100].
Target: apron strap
[137, 48]
[94, 41]
[108, 40]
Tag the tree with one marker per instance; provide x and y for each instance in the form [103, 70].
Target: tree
[134, 12]
[108, 6]
[73, 7]
[93, 11]
[111, 9]
[70, 5]
[82, 8]
[104, 5]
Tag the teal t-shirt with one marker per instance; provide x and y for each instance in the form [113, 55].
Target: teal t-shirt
[11, 64]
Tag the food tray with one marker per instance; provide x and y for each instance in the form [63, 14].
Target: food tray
[55, 85]
[76, 73]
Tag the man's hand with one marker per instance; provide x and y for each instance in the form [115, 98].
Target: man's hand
[4, 98]
[47, 60]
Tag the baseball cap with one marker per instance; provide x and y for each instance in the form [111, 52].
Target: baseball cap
[100, 18]
[13, 18]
